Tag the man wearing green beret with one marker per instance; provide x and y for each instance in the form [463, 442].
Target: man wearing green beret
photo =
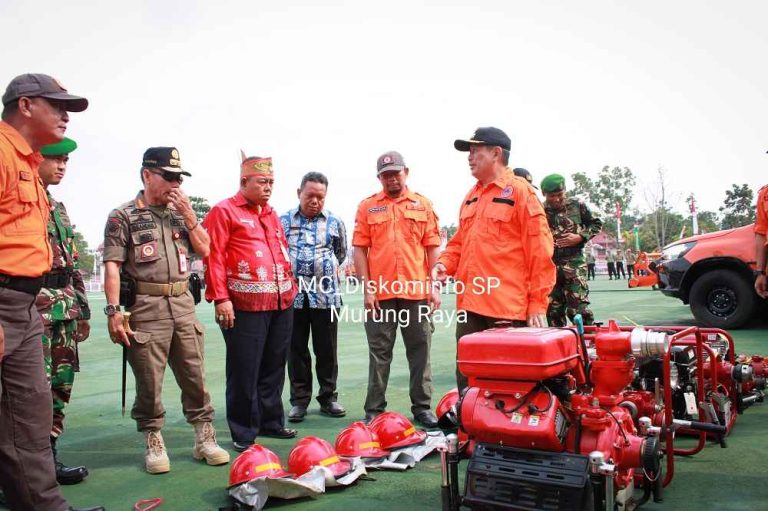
[62, 303]
[572, 225]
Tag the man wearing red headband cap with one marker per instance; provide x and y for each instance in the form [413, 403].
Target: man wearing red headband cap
[248, 277]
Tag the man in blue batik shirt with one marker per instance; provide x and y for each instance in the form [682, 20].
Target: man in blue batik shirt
[317, 245]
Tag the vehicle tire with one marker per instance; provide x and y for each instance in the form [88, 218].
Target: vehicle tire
[722, 299]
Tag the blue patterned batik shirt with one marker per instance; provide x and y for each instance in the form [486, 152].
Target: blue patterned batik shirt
[316, 248]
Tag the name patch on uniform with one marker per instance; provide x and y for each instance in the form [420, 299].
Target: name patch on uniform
[143, 226]
[247, 221]
[508, 202]
[415, 207]
[377, 209]
[146, 237]
[177, 222]
[470, 201]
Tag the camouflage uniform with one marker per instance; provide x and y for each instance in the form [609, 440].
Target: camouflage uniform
[570, 296]
[60, 307]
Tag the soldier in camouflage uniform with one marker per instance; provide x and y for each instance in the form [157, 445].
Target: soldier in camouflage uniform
[572, 225]
[62, 303]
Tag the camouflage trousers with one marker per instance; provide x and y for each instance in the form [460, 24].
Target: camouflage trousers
[570, 296]
[61, 364]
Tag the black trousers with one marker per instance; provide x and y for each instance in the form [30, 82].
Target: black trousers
[630, 270]
[324, 334]
[612, 270]
[591, 271]
[257, 348]
[475, 323]
[620, 269]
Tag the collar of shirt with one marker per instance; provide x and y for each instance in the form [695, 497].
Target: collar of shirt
[240, 201]
[408, 195]
[297, 212]
[19, 143]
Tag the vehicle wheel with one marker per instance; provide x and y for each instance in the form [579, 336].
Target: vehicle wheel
[722, 299]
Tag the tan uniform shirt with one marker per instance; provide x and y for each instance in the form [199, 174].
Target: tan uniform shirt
[153, 244]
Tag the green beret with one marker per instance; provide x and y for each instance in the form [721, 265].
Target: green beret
[553, 183]
[66, 146]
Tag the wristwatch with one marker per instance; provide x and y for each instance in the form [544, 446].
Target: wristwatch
[111, 310]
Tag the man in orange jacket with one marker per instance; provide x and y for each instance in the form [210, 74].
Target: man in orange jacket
[501, 255]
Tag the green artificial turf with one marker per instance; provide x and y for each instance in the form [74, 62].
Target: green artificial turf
[97, 435]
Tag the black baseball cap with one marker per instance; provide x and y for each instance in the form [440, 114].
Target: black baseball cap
[38, 85]
[521, 172]
[485, 136]
[164, 158]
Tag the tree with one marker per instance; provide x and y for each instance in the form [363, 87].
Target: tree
[85, 256]
[450, 229]
[650, 240]
[708, 222]
[665, 225]
[612, 185]
[737, 209]
[200, 205]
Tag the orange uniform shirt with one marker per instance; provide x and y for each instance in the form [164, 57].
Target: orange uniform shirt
[24, 208]
[397, 233]
[502, 252]
[761, 218]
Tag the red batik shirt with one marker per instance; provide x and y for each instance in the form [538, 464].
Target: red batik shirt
[248, 263]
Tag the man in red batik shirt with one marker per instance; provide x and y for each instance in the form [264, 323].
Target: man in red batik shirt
[248, 277]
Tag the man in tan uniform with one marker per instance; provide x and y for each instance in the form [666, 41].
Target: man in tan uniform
[150, 240]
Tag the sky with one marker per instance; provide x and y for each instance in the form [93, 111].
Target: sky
[329, 86]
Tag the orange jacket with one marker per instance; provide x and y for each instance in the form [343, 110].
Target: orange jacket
[24, 208]
[761, 218]
[397, 233]
[502, 252]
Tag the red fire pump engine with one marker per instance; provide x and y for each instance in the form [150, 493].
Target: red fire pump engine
[706, 381]
[545, 424]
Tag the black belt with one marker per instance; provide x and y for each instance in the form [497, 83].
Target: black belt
[31, 285]
[57, 279]
[565, 252]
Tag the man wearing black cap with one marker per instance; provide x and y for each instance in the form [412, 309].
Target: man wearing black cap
[502, 251]
[35, 113]
[150, 240]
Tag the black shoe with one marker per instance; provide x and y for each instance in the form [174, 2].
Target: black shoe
[65, 474]
[97, 508]
[333, 409]
[241, 446]
[297, 413]
[369, 416]
[283, 433]
[70, 475]
[426, 419]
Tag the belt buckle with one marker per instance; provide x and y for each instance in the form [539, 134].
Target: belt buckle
[176, 288]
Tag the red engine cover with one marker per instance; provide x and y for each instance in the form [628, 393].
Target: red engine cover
[529, 354]
[525, 427]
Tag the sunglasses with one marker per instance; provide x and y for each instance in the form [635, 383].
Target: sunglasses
[168, 176]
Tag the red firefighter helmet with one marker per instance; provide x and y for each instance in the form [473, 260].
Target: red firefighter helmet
[395, 431]
[357, 440]
[256, 461]
[447, 417]
[312, 451]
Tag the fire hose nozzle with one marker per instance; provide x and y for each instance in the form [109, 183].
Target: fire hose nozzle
[453, 443]
[648, 344]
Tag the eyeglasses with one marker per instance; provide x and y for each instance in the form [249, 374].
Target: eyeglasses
[168, 176]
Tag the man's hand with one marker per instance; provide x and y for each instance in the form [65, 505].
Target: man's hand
[760, 286]
[371, 303]
[537, 320]
[568, 240]
[180, 202]
[439, 273]
[225, 315]
[117, 330]
[83, 330]
[434, 299]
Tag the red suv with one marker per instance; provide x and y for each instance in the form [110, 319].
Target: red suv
[714, 273]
